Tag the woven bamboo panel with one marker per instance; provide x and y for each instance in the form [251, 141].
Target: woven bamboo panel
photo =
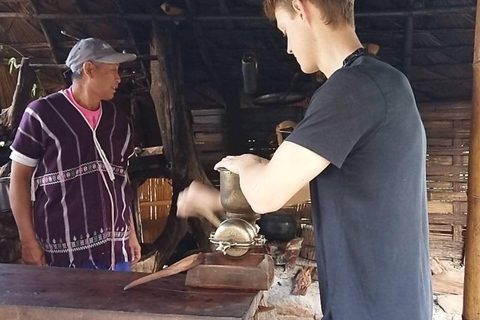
[447, 127]
[155, 197]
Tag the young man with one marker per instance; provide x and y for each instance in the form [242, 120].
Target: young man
[70, 154]
[361, 149]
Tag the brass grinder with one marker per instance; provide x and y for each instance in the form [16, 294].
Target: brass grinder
[232, 266]
[238, 233]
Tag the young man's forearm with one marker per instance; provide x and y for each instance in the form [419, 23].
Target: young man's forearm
[301, 196]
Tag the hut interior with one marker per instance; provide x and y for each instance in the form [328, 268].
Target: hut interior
[235, 83]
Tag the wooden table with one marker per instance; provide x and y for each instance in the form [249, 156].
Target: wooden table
[31, 293]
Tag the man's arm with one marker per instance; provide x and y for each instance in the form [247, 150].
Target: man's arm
[269, 186]
[301, 196]
[21, 203]
[135, 249]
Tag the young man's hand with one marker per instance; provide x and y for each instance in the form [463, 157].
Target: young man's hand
[198, 200]
[32, 253]
[236, 163]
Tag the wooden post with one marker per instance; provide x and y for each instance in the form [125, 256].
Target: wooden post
[177, 136]
[471, 303]
[10, 117]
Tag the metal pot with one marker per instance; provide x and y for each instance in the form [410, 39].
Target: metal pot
[231, 195]
[278, 226]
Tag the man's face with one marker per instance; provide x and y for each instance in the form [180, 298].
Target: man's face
[300, 41]
[105, 79]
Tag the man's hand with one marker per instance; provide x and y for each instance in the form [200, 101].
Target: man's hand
[32, 253]
[135, 249]
[237, 163]
[198, 200]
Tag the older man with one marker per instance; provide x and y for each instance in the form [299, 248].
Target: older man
[70, 156]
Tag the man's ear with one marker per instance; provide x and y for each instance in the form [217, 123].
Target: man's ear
[88, 67]
[300, 7]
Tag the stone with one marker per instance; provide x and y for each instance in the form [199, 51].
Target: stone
[437, 266]
[451, 304]
[450, 282]
[286, 304]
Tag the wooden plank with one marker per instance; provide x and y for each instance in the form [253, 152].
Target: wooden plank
[440, 160]
[449, 219]
[210, 137]
[441, 228]
[209, 128]
[447, 196]
[450, 178]
[207, 112]
[439, 125]
[443, 170]
[464, 207]
[450, 282]
[211, 146]
[34, 292]
[443, 185]
[449, 133]
[457, 233]
[440, 237]
[452, 151]
[441, 106]
[447, 249]
[458, 114]
[440, 207]
[214, 119]
[436, 142]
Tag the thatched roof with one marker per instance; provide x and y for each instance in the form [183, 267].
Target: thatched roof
[214, 34]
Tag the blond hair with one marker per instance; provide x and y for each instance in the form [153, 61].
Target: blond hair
[335, 12]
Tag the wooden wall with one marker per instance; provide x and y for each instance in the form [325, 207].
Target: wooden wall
[448, 127]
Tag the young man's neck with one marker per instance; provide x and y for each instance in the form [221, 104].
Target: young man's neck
[340, 43]
[84, 98]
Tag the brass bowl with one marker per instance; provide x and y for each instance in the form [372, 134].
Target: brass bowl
[231, 195]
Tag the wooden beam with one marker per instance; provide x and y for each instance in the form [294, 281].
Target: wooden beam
[177, 137]
[200, 39]
[226, 12]
[408, 43]
[134, 42]
[471, 305]
[81, 6]
[48, 37]
[161, 17]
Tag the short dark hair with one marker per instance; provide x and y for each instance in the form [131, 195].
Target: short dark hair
[77, 75]
[335, 12]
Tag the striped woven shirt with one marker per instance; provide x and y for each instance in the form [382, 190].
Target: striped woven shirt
[82, 196]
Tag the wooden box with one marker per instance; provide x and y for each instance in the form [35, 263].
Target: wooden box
[252, 271]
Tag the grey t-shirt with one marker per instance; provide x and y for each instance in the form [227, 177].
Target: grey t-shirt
[369, 205]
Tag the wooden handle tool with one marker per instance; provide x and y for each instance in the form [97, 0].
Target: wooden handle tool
[185, 264]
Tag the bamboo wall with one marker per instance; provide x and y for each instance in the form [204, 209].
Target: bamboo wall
[155, 197]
